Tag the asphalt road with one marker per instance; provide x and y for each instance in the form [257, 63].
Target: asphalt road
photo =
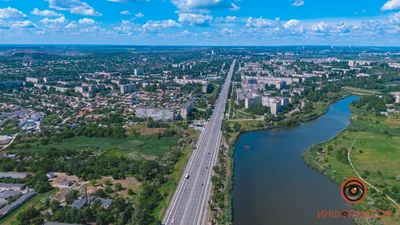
[189, 203]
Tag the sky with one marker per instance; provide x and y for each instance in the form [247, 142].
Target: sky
[201, 22]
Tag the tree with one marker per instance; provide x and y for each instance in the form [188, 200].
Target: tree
[54, 205]
[100, 193]
[108, 189]
[71, 196]
[308, 107]
[236, 127]
[26, 216]
[117, 187]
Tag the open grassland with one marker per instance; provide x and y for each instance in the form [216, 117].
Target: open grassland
[128, 183]
[321, 107]
[375, 156]
[358, 91]
[148, 145]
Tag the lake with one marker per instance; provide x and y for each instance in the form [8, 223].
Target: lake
[272, 183]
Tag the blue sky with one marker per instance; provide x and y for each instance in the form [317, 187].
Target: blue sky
[201, 22]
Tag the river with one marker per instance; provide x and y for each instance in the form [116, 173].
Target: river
[272, 183]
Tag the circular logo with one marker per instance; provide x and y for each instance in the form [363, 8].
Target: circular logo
[353, 190]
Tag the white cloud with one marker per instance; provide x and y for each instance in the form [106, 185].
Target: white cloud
[188, 5]
[126, 1]
[372, 27]
[152, 26]
[291, 24]
[11, 13]
[54, 23]
[127, 28]
[391, 5]
[4, 25]
[320, 27]
[91, 29]
[74, 7]
[139, 15]
[226, 31]
[72, 25]
[86, 22]
[395, 19]
[125, 13]
[260, 22]
[298, 3]
[228, 19]
[46, 12]
[195, 19]
[340, 28]
[234, 7]
[185, 33]
[24, 24]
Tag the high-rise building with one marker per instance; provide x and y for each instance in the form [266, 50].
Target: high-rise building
[275, 107]
[33, 80]
[155, 113]
[206, 87]
[186, 109]
[139, 72]
[127, 88]
[81, 89]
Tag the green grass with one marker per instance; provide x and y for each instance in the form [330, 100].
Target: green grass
[11, 219]
[321, 107]
[148, 145]
[359, 91]
[375, 155]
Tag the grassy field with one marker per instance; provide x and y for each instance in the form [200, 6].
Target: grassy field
[358, 91]
[11, 219]
[321, 107]
[147, 145]
[375, 155]
[128, 183]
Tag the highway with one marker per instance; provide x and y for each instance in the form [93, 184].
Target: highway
[189, 203]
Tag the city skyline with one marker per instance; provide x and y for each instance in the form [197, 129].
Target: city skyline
[201, 22]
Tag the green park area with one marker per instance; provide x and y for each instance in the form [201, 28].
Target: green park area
[149, 145]
[147, 160]
[373, 141]
[359, 91]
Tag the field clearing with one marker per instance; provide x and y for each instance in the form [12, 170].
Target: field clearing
[147, 145]
[321, 107]
[129, 182]
[359, 91]
[375, 156]
[143, 129]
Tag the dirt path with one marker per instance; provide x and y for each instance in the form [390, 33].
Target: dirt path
[5, 146]
[354, 169]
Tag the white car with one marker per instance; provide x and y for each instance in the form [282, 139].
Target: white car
[187, 176]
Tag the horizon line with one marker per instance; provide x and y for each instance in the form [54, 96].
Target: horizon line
[221, 46]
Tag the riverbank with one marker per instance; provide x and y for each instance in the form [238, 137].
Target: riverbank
[367, 148]
[273, 165]
[222, 183]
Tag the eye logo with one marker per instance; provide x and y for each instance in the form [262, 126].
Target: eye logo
[353, 190]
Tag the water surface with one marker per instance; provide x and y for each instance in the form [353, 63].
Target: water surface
[272, 183]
